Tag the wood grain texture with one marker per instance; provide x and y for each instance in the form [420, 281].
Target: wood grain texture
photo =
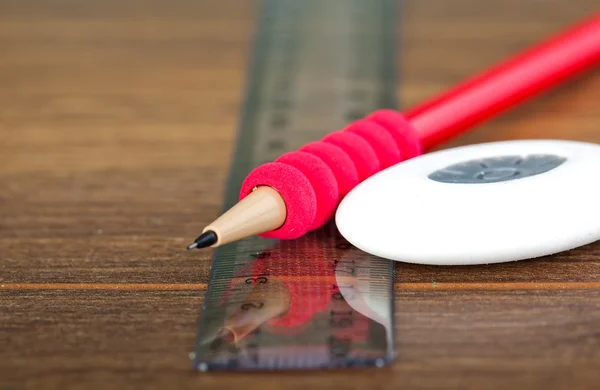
[483, 340]
[116, 125]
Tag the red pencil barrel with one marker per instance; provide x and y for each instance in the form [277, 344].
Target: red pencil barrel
[493, 91]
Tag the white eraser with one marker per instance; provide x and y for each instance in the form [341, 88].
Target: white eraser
[478, 204]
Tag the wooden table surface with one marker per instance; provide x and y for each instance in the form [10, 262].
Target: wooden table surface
[116, 125]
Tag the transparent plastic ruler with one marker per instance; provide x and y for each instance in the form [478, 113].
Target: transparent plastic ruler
[314, 302]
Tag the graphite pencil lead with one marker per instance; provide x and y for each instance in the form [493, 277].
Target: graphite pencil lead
[207, 238]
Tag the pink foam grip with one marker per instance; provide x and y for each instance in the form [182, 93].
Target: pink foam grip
[360, 151]
[295, 189]
[323, 183]
[407, 139]
[380, 139]
[338, 161]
